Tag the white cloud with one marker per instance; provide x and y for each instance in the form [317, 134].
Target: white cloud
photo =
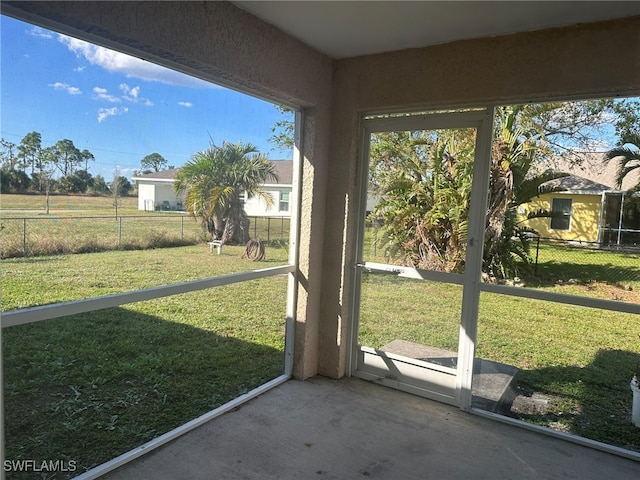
[133, 95]
[66, 87]
[185, 104]
[102, 94]
[117, 62]
[104, 113]
[79, 69]
[40, 32]
[130, 94]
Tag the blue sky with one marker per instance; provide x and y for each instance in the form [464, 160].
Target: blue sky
[118, 107]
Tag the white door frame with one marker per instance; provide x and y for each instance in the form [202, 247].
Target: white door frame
[451, 386]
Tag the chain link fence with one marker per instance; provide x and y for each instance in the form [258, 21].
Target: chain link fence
[36, 236]
[585, 262]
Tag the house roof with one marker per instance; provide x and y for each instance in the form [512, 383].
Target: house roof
[283, 168]
[284, 171]
[167, 175]
[579, 185]
[596, 167]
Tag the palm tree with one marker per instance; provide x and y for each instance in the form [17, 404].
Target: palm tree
[512, 183]
[628, 158]
[424, 182]
[213, 182]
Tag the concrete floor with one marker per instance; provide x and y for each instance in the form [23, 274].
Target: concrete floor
[349, 428]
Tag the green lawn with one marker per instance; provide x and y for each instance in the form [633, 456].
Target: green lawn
[580, 360]
[90, 387]
[86, 224]
[19, 205]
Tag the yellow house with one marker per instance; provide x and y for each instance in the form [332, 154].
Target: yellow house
[582, 204]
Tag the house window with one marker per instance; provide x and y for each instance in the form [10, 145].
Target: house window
[284, 202]
[563, 206]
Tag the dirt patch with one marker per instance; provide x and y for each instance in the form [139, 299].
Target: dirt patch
[605, 291]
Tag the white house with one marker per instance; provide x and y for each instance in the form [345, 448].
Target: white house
[280, 192]
[155, 192]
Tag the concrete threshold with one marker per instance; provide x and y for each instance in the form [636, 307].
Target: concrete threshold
[350, 428]
[492, 381]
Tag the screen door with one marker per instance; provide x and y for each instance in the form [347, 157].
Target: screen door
[419, 251]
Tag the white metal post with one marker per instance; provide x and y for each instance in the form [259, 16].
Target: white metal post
[620, 220]
[294, 245]
[473, 264]
[358, 254]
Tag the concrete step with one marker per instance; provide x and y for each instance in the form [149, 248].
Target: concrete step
[492, 381]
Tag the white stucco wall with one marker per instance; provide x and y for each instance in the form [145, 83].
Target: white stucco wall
[600, 59]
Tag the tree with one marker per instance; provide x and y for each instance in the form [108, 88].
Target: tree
[14, 181]
[122, 185]
[48, 166]
[213, 181]
[99, 185]
[67, 156]
[283, 130]
[627, 118]
[87, 156]
[8, 156]
[153, 162]
[424, 180]
[627, 154]
[79, 182]
[512, 183]
[29, 151]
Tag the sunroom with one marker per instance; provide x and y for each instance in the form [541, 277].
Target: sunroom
[352, 77]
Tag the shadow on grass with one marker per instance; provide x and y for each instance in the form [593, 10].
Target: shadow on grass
[92, 386]
[551, 273]
[593, 402]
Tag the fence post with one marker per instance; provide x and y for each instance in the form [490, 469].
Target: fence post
[375, 239]
[268, 229]
[535, 270]
[120, 232]
[24, 237]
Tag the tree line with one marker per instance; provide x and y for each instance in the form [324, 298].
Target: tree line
[30, 167]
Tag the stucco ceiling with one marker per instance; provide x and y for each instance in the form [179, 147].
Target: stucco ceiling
[343, 29]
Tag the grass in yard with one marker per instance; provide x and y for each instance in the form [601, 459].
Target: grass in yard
[86, 224]
[90, 387]
[561, 267]
[427, 313]
[580, 360]
[12, 205]
[28, 282]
